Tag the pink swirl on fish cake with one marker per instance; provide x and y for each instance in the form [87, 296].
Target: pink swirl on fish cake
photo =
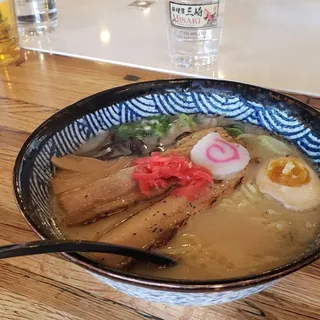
[216, 145]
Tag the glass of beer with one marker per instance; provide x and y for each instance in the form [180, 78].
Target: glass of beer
[9, 41]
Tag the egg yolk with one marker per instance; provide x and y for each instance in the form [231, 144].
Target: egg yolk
[288, 172]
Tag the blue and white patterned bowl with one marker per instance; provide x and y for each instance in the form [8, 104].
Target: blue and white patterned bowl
[69, 128]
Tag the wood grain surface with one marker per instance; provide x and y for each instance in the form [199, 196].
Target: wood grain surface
[47, 286]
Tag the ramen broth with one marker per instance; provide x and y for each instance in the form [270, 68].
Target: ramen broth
[241, 235]
[244, 233]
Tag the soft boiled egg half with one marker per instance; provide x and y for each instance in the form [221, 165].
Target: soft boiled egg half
[290, 181]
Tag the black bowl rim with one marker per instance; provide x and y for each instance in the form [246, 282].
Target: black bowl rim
[149, 281]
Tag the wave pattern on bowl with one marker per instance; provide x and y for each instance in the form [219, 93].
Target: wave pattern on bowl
[178, 298]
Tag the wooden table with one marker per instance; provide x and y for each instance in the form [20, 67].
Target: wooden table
[47, 286]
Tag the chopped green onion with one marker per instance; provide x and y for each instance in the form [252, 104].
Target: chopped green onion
[234, 131]
[186, 120]
[156, 126]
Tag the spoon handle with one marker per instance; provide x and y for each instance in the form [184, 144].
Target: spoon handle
[56, 246]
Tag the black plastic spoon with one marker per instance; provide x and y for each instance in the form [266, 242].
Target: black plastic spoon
[55, 246]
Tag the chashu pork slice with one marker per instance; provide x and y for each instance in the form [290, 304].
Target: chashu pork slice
[79, 203]
[75, 171]
[156, 225]
[105, 196]
[93, 231]
[78, 164]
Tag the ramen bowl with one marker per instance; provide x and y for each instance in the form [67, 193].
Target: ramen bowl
[65, 131]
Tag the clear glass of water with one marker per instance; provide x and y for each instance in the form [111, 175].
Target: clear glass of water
[36, 16]
[194, 31]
